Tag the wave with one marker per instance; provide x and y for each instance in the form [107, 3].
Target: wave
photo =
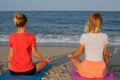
[61, 39]
[115, 40]
[3, 37]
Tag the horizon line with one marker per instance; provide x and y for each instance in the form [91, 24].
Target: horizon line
[63, 10]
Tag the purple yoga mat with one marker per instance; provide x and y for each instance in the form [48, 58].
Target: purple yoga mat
[76, 76]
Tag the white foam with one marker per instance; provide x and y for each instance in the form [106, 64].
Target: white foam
[3, 37]
[53, 38]
[57, 39]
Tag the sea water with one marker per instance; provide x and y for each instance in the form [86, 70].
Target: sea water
[60, 27]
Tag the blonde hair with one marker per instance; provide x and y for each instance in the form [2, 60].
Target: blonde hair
[94, 23]
[20, 19]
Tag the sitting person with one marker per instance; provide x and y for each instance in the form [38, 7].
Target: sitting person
[22, 45]
[95, 44]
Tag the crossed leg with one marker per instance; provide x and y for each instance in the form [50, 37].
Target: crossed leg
[40, 65]
[76, 63]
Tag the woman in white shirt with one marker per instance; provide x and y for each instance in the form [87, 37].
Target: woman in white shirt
[95, 44]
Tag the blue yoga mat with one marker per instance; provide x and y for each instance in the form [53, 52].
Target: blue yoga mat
[8, 76]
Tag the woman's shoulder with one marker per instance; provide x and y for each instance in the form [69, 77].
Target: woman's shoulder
[84, 34]
[29, 33]
[104, 34]
[12, 34]
[15, 33]
[92, 34]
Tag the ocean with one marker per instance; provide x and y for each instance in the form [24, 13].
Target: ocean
[60, 27]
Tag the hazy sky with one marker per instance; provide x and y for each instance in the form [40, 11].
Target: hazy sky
[100, 5]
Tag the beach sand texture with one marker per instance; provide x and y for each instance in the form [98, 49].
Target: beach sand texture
[61, 69]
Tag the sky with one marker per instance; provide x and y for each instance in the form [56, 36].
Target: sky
[50, 5]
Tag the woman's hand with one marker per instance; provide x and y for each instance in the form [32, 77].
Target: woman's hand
[70, 56]
[46, 60]
[110, 55]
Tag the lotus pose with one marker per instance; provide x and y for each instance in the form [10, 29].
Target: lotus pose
[95, 45]
[22, 45]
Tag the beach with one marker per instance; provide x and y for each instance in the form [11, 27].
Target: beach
[61, 66]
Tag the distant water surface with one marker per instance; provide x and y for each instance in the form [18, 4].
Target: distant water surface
[60, 27]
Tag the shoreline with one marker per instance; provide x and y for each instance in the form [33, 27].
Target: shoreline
[61, 68]
[56, 44]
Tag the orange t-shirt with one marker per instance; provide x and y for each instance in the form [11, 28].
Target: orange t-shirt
[22, 44]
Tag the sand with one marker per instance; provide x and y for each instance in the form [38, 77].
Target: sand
[61, 69]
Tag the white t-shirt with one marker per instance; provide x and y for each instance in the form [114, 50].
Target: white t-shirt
[94, 45]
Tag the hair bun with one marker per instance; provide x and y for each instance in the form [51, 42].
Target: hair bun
[18, 16]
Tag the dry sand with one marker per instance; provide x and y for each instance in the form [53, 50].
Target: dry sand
[61, 69]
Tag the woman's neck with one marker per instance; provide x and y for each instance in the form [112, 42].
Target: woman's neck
[21, 30]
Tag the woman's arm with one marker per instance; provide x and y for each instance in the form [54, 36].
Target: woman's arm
[107, 54]
[10, 55]
[37, 55]
[78, 52]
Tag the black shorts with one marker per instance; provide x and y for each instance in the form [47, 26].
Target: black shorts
[30, 72]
